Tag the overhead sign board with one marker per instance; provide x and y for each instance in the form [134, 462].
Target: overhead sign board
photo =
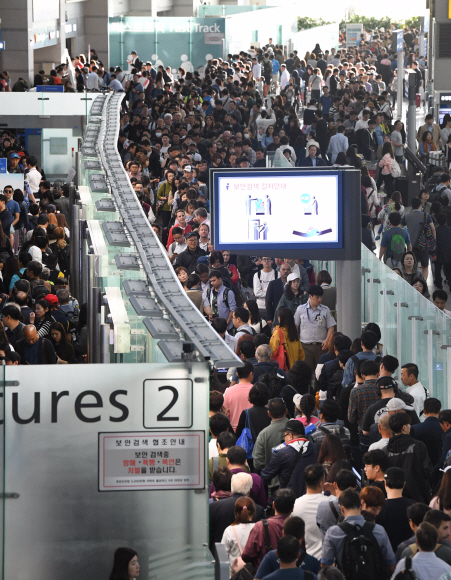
[278, 211]
[353, 32]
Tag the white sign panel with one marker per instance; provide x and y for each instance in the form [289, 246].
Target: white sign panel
[168, 403]
[214, 37]
[257, 208]
[162, 460]
[353, 32]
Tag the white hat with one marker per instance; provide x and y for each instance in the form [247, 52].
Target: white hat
[297, 401]
[292, 277]
[397, 405]
[188, 168]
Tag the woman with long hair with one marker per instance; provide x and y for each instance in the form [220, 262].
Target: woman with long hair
[62, 223]
[426, 146]
[236, 535]
[166, 197]
[63, 348]
[386, 165]
[256, 322]
[267, 138]
[442, 499]
[286, 334]
[11, 273]
[331, 451]
[292, 297]
[61, 249]
[125, 565]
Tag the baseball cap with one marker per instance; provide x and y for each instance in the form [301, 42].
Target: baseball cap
[294, 426]
[191, 234]
[386, 383]
[292, 277]
[188, 168]
[297, 399]
[395, 473]
[14, 156]
[52, 299]
[397, 405]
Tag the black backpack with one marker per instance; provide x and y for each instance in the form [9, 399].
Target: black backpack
[407, 573]
[273, 381]
[436, 192]
[362, 555]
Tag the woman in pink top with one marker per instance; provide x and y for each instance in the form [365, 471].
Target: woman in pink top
[305, 405]
[442, 501]
[386, 164]
[236, 398]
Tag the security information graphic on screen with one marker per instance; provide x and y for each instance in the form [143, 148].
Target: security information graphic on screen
[279, 210]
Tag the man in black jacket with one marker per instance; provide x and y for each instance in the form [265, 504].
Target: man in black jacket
[34, 350]
[188, 258]
[222, 512]
[275, 291]
[341, 342]
[6, 217]
[286, 461]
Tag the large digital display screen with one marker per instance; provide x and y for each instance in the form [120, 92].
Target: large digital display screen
[257, 210]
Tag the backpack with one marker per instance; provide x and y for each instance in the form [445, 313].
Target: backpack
[249, 571]
[397, 247]
[225, 296]
[277, 274]
[362, 555]
[407, 573]
[396, 169]
[245, 440]
[267, 68]
[273, 381]
[71, 316]
[436, 192]
[426, 241]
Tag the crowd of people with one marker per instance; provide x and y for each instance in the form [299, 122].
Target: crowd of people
[321, 464]
[42, 323]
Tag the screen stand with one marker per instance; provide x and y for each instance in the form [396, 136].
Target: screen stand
[349, 278]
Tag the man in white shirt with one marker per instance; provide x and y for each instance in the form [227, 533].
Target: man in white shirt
[409, 376]
[385, 432]
[262, 278]
[92, 82]
[363, 122]
[256, 69]
[284, 76]
[33, 177]
[306, 507]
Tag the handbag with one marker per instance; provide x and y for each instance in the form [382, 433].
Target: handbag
[426, 241]
[245, 440]
[238, 563]
[281, 354]
[396, 169]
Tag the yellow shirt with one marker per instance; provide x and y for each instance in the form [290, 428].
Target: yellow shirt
[293, 348]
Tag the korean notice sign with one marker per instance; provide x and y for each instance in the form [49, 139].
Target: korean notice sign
[151, 461]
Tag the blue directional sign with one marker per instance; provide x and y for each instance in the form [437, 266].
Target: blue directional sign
[3, 165]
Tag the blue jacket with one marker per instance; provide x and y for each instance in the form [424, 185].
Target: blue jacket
[282, 462]
[307, 162]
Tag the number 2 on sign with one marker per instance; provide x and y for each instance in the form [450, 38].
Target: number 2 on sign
[175, 395]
